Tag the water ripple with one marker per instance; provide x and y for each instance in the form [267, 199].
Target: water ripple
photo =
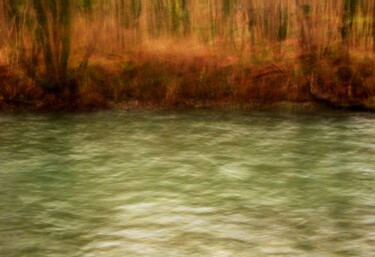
[198, 183]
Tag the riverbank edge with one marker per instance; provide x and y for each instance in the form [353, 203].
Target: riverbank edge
[210, 106]
[194, 82]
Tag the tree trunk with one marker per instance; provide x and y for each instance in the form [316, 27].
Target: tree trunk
[65, 19]
[53, 37]
[2, 23]
[350, 8]
[307, 43]
[43, 37]
[185, 17]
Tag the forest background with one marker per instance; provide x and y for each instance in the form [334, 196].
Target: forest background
[88, 54]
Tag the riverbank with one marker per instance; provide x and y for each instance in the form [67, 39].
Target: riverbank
[177, 81]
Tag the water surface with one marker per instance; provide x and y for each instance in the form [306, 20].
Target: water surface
[198, 183]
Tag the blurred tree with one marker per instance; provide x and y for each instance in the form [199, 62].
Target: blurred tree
[52, 37]
[373, 26]
[349, 12]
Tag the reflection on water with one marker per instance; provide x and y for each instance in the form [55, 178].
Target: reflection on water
[187, 184]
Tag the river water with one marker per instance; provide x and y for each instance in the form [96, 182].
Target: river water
[194, 183]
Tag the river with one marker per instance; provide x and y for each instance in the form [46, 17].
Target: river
[188, 183]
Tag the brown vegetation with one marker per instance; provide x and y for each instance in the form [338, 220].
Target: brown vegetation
[176, 53]
[173, 80]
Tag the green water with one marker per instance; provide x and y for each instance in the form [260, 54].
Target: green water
[198, 183]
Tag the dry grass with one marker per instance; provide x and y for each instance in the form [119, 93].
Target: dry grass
[169, 73]
[172, 78]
